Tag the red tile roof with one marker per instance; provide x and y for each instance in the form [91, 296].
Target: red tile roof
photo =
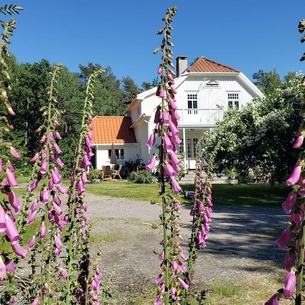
[112, 129]
[203, 64]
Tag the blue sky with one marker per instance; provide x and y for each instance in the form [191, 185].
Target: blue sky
[248, 35]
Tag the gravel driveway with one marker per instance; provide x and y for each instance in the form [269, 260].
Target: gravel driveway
[241, 242]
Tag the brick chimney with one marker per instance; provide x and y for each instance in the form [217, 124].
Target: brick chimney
[181, 65]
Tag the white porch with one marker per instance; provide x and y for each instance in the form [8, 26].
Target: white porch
[201, 116]
[190, 137]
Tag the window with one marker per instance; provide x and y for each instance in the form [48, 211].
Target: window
[192, 104]
[233, 100]
[191, 147]
[120, 154]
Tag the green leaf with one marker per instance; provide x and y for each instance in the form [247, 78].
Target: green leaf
[301, 26]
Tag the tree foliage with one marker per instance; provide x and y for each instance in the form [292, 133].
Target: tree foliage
[262, 133]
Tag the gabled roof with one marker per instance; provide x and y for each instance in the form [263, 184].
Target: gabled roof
[112, 129]
[203, 64]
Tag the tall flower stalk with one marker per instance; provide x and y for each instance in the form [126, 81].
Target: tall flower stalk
[202, 208]
[170, 281]
[78, 257]
[293, 237]
[43, 203]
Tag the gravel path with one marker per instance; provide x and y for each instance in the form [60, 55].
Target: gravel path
[241, 242]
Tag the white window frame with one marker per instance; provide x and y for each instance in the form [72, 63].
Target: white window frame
[192, 103]
[233, 100]
[120, 153]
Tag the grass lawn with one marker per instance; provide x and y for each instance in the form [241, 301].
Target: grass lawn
[246, 195]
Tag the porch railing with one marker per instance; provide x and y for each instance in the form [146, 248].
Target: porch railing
[201, 116]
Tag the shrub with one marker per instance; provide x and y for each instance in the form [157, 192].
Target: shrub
[142, 176]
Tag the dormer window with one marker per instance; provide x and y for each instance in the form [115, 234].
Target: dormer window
[212, 83]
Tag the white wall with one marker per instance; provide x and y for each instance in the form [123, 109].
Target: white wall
[101, 155]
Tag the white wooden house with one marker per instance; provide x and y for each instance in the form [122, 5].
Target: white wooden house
[204, 92]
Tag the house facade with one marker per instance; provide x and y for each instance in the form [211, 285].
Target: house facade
[204, 92]
[112, 139]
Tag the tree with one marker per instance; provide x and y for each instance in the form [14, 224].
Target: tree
[107, 91]
[262, 134]
[29, 94]
[146, 85]
[130, 90]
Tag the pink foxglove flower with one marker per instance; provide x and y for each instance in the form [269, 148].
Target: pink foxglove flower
[31, 217]
[2, 269]
[290, 201]
[57, 149]
[43, 167]
[33, 206]
[14, 201]
[169, 170]
[174, 130]
[151, 164]
[57, 209]
[43, 139]
[86, 161]
[35, 302]
[274, 300]
[63, 273]
[167, 143]
[44, 195]
[85, 178]
[59, 162]
[51, 136]
[61, 189]
[31, 242]
[34, 158]
[172, 104]
[290, 284]
[18, 249]
[58, 136]
[57, 199]
[10, 177]
[14, 153]
[183, 284]
[58, 243]
[33, 185]
[159, 71]
[173, 89]
[55, 177]
[175, 185]
[165, 117]
[151, 140]
[284, 239]
[157, 115]
[42, 231]
[10, 267]
[161, 93]
[298, 142]
[11, 229]
[295, 176]
[80, 187]
[290, 259]
[171, 77]
[2, 220]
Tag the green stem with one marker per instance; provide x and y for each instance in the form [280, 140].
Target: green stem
[299, 286]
